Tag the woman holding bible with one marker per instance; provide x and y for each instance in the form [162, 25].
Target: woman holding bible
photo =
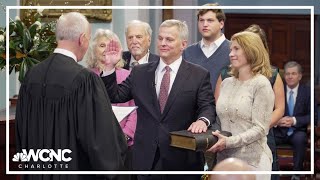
[245, 104]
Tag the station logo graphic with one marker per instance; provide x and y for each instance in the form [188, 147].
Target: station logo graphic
[43, 159]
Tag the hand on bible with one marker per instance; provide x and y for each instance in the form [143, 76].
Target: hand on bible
[220, 145]
[112, 54]
[198, 127]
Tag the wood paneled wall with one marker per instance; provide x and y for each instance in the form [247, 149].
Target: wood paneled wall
[289, 36]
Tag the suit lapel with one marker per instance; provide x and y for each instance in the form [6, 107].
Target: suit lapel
[150, 77]
[298, 99]
[177, 85]
[153, 58]
[286, 106]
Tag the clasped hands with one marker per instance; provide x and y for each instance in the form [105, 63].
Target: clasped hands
[112, 55]
[286, 121]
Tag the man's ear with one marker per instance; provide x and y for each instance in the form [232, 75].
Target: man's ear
[184, 44]
[149, 40]
[300, 76]
[82, 38]
[221, 24]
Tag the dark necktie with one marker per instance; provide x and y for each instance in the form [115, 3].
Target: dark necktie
[134, 63]
[290, 108]
[164, 88]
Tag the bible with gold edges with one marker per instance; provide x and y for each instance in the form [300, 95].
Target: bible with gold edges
[196, 142]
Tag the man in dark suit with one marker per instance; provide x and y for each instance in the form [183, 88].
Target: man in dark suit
[292, 128]
[171, 95]
[138, 37]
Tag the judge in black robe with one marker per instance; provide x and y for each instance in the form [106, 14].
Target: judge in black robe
[62, 105]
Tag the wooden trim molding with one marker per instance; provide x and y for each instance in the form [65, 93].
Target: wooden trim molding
[167, 13]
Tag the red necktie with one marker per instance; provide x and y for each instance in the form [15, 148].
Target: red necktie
[164, 88]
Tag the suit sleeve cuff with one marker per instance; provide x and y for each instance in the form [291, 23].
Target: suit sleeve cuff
[205, 119]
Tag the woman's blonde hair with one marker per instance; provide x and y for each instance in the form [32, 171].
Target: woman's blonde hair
[255, 52]
[91, 58]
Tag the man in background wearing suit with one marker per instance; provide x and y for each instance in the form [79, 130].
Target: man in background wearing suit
[292, 128]
[171, 94]
[138, 37]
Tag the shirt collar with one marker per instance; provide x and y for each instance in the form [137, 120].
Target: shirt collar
[295, 90]
[173, 66]
[66, 53]
[143, 60]
[217, 42]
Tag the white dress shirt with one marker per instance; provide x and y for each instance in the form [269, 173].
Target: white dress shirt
[143, 60]
[174, 67]
[208, 50]
[66, 53]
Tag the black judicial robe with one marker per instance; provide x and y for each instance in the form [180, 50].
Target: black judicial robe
[62, 105]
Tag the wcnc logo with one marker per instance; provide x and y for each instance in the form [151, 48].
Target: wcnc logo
[43, 155]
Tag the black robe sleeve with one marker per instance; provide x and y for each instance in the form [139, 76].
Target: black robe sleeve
[74, 114]
[118, 93]
[98, 130]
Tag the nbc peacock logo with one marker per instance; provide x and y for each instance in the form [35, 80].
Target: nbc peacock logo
[19, 157]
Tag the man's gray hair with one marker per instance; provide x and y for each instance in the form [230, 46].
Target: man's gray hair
[71, 25]
[291, 64]
[181, 26]
[146, 26]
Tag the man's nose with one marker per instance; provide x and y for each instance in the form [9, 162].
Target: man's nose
[134, 40]
[205, 23]
[163, 42]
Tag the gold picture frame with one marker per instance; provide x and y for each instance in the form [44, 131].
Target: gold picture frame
[93, 15]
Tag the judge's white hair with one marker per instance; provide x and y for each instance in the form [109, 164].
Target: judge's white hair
[71, 25]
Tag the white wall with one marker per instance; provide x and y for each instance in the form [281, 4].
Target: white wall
[189, 16]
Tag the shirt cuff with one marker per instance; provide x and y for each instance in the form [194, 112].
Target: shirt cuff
[294, 121]
[107, 73]
[204, 118]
